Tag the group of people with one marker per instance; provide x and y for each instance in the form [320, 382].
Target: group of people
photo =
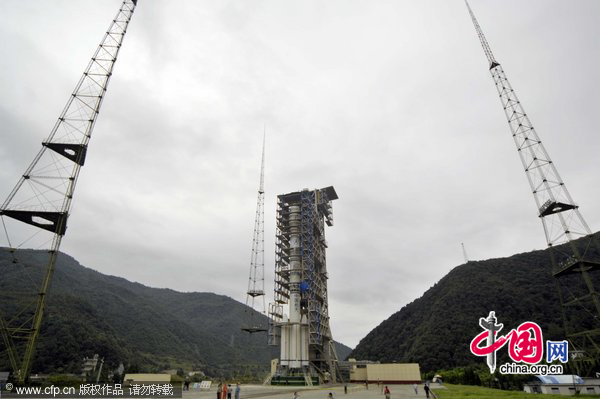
[224, 391]
[386, 390]
[425, 388]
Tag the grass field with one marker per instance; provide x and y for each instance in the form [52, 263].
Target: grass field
[468, 391]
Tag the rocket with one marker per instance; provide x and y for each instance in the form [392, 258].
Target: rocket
[490, 325]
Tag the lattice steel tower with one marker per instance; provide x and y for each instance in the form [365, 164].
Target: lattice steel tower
[464, 251]
[256, 280]
[301, 327]
[572, 262]
[36, 210]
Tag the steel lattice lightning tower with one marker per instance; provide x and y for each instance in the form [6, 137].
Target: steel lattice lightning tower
[256, 280]
[563, 223]
[464, 251]
[36, 210]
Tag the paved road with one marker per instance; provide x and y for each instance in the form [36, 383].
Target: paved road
[354, 392]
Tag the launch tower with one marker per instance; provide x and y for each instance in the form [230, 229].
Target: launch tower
[299, 315]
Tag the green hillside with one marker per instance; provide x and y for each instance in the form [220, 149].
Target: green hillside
[436, 329]
[148, 329]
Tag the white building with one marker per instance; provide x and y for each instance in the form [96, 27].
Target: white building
[563, 385]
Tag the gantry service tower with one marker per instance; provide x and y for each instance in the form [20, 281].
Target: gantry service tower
[299, 316]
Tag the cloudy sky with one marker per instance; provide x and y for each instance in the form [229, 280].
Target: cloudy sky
[391, 102]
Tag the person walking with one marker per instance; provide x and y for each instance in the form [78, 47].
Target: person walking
[416, 388]
[219, 390]
[296, 396]
[224, 393]
[426, 388]
[237, 391]
[345, 389]
[228, 391]
[386, 392]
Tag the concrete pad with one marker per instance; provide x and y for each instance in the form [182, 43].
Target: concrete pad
[355, 391]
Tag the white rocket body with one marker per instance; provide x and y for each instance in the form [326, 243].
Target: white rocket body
[294, 333]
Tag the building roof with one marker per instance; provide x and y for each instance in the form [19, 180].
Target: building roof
[147, 377]
[560, 379]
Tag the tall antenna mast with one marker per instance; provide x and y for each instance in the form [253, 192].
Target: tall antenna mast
[256, 280]
[561, 220]
[464, 251]
[36, 210]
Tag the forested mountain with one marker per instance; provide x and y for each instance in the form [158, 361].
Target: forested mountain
[148, 329]
[436, 329]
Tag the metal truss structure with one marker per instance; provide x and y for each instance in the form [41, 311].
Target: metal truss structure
[305, 338]
[572, 263]
[36, 210]
[256, 280]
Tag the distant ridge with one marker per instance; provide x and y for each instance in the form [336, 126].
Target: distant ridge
[436, 329]
[148, 329]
